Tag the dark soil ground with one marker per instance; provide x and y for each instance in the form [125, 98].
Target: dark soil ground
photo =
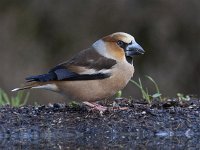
[172, 124]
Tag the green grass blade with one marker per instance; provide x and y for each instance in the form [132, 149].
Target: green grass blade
[139, 85]
[19, 100]
[12, 101]
[5, 97]
[148, 96]
[1, 98]
[145, 95]
[142, 90]
[25, 99]
[134, 82]
[156, 86]
[156, 95]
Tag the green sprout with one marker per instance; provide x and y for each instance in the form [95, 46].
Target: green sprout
[145, 92]
[73, 104]
[19, 100]
[118, 94]
[182, 97]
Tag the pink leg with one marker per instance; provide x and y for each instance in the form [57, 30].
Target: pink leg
[116, 106]
[96, 106]
[120, 108]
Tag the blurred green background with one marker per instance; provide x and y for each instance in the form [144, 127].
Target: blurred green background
[37, 35]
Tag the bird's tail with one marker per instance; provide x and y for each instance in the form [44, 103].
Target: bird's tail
[29, 85]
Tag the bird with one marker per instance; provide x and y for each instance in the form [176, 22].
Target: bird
[95, 73]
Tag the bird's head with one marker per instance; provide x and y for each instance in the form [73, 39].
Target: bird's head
[119, 46]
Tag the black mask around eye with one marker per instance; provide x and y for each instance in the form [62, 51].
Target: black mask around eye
[122, 44]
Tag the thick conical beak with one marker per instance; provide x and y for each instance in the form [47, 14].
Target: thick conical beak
[134, 49]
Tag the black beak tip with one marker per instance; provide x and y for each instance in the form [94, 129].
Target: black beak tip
[139, 51]
[142, 52]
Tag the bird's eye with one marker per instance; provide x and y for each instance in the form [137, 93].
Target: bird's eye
[120, 43]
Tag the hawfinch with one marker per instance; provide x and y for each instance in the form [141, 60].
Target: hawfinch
[93, 74]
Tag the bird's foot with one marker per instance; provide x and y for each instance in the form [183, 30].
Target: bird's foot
[119, 108]
[116, 105]
[95, 106]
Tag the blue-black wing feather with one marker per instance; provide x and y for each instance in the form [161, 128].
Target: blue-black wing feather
[65, 75]
[64, 72]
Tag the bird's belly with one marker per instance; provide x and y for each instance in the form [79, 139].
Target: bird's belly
[91, 90]
[87, 90]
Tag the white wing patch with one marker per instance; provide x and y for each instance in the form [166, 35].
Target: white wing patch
[93, 71]
[51, 87]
